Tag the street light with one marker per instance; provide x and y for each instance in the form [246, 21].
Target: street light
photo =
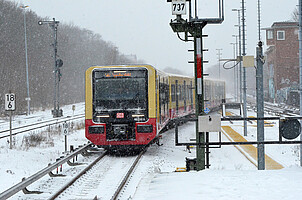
[26, 61]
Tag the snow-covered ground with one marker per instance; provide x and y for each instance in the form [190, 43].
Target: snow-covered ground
[231, 175]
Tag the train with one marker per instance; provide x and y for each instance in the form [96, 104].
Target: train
[129, 106]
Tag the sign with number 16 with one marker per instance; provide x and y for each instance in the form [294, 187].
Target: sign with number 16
[10, 102]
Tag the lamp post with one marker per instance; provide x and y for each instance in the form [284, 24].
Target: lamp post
[26, 61]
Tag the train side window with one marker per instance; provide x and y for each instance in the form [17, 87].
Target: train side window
[173, 93]
[179, 93]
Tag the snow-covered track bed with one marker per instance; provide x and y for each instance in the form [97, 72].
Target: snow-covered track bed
[105, 180]
[39, 125]
[40, 184]
[275, 109]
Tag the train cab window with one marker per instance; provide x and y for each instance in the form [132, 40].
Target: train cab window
[119, 90]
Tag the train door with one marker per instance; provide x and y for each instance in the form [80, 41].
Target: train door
[160, 99]
[185, 96]
[177, 95]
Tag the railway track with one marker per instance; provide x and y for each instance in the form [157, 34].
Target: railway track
[47, 170]
[104, 178]
[38, 125]
[276, 109]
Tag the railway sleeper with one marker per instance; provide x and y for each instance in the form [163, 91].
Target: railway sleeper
[89, 153]
[56, 175]
[73, 163]
[26, 191]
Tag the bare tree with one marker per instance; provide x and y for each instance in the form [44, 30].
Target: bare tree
[295, 15]
[78, 48]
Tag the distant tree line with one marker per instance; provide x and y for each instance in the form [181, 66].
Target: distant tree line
[77, 47]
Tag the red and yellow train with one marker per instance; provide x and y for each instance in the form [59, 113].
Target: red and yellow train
[129, 106]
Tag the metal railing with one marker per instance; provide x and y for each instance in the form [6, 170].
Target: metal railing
[27, 181]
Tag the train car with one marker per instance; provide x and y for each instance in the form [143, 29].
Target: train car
[214, 93]
[127, 107]
[176, 98]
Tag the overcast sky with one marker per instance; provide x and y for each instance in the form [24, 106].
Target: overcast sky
[141, 27]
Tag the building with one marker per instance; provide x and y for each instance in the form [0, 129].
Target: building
[282, 62]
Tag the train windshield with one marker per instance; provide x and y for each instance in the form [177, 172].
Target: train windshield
[120, 90]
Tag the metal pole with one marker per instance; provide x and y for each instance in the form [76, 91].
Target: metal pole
[207, 151]
[55, 111]
[300, 63]
[57, 70]
[244, 71]
[234, 55]
[219, 54]
[26, 61]
[260, 108]
[240, 64]
[10, 130]
[199, 103]
[237, 72]
[260, 100]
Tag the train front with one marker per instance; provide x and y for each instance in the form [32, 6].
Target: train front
[118, 115]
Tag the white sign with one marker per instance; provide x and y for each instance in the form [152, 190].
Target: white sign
[10, 102]
[209, 123]
[178, 7]
[65, 129]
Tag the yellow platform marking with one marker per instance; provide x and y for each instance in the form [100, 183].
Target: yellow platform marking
[265, 125]
[228, 114]
[269, 124]
[181, 169]
[250, 149]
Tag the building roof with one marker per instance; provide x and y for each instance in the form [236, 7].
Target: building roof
[288, 24]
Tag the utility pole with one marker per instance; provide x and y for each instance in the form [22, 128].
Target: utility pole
[300, 63]
[260, 107]
[219, 56]
[244, 70]
[240, 63]
[237, 68]
[26, 60]
[58, 63]
[235, 81]
[194, 27]
[260, 100]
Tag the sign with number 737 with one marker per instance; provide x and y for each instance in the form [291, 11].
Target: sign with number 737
[178, 7]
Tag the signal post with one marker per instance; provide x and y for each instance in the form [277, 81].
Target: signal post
[192, 27]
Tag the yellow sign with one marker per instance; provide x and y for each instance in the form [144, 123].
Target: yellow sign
[248, 61]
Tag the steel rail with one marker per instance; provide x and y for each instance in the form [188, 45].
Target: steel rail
[27, 181]
[124, 181]
[77, 177]
[42, 126]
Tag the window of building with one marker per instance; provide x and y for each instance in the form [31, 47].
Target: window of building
[280, 35]
[270, 34]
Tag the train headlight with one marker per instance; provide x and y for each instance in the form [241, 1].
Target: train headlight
[96, 129]
[144, 128]
[103, 116]
[138, 117]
